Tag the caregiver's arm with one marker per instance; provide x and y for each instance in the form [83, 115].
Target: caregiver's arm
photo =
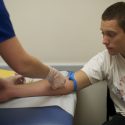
[42, 88]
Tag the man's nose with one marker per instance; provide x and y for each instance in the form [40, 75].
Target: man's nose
[106, 40]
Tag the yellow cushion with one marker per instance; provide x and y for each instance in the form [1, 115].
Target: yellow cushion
[6, 73]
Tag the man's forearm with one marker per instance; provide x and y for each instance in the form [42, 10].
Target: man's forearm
[33, 68]
[39, 88]
[19, 60]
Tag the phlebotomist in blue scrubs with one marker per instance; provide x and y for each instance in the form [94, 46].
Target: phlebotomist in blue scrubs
[18, 59]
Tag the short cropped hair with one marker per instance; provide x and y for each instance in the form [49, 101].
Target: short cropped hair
[115, 12]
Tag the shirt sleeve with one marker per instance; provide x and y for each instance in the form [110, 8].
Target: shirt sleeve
[95, 68]
[6, 28]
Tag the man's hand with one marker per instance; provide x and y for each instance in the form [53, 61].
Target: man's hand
[7, 85]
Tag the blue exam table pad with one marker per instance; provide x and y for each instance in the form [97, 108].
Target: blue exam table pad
[43, 110]
[50, 115]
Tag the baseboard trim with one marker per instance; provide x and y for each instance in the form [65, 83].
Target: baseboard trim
[67, 67]
[61, 67]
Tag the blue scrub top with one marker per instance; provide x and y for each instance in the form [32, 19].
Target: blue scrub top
[6, 28]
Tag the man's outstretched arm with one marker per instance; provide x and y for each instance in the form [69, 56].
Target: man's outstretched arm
[41, 88]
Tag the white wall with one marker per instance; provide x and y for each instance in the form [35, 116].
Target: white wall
[59, 31]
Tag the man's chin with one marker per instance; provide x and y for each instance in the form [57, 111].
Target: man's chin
[112, 53]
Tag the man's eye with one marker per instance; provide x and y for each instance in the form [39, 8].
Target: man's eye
[102, 33]
[111, 34]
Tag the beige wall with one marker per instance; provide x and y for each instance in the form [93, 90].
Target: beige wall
[64, 31]
[59, 31]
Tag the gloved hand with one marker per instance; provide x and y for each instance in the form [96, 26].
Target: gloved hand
[56, 79]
